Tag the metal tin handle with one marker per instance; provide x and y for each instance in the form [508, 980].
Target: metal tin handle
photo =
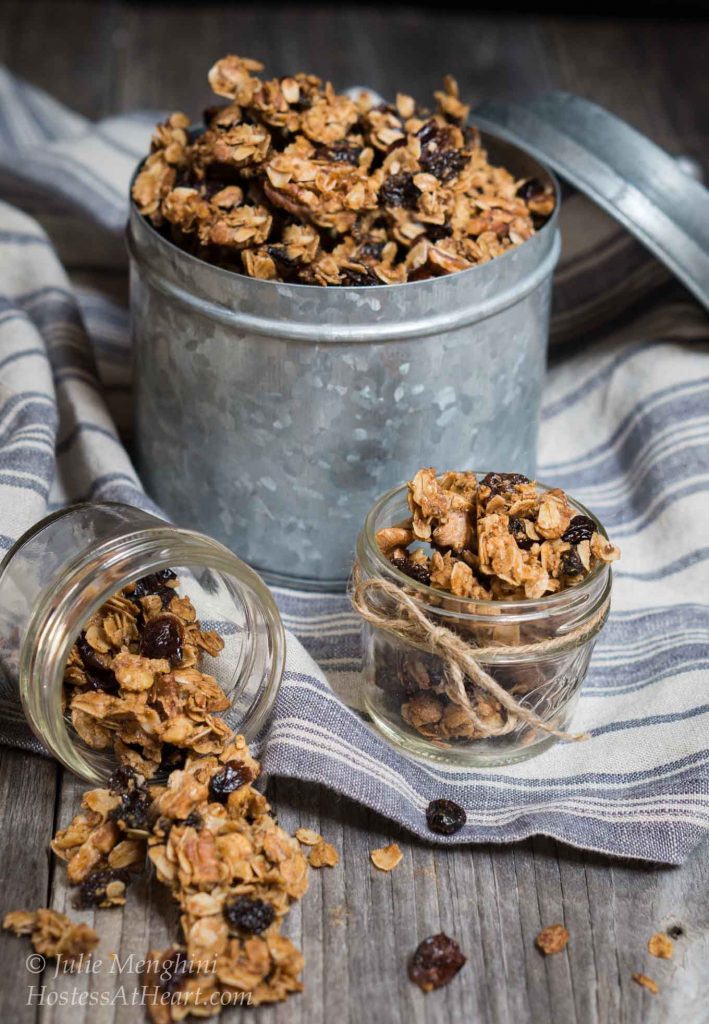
[638, 183]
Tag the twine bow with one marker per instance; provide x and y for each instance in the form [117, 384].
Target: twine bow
[405, 620]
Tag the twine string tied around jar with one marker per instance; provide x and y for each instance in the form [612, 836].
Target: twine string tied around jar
[405, 620]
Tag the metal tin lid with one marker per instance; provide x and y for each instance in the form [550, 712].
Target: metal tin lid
[635, 181]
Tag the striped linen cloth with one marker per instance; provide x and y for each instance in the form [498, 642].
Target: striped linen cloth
[625, 429]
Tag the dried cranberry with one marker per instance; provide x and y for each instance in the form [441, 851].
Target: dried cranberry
[124, 780]
[163, 637]
[248, 914]
[412, 569]
[580, 528]
[498, 482]
[571, 564]
[370, 251]
[172, 757]
[174, 971]
[98, 676]
[363, 278]
[516, 528]
[132, 812]
[530, 189]
[445, 817]
[436, 962]
[92, 890]
[232, 775]
[399, 190]
[438, 231]
[443, 164]
[341, 154]
[155, 583]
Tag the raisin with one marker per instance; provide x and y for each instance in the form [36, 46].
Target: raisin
[359, 278]
[399, 190]
[436, 962]
[194, 820]
[438, 231]
[412, 569]
[370, 251]
[499, 482]
[92, 891]
[155, 583]
[232, 775]
[132, 812]
[174, 971]
[675, 931]
[98, 676]
[341, 154]
[443, 164]
[571, 564]
[516, 528]
[172, 757]
[249, 914]
[163, 637]
[530, 189]
[580, 528]
[445, 817]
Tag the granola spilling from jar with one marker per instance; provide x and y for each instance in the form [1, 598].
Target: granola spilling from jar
[501, 538]
[133, 682]
[134, 685]
[290, 181]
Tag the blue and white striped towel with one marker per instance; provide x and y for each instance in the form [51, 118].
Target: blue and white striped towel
[625, 428]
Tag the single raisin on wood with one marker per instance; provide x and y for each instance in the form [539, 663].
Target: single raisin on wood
[163, 637]
[413, 570]
[399, 190]
[233, 775]
[249, 914]
[445, 817]
[516, 528]
[92, 891]
[436, 962]
[580, 528]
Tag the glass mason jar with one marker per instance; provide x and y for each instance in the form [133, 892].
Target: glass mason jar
[63, 569]
[405, 689]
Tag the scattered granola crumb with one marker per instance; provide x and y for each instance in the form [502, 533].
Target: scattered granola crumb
[308, 836]
[52, 934]
[660, 945]
[648, 983]
[387, 857]
[435, 962]
[324, 855]
[552, 939]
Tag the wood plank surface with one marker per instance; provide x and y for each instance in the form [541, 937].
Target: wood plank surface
[357, 926]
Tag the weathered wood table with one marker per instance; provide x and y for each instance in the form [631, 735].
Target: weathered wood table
[356, 925]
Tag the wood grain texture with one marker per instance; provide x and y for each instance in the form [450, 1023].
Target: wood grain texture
[358, 926]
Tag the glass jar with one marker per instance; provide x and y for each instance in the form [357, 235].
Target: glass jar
[544, 646]
[60, 573]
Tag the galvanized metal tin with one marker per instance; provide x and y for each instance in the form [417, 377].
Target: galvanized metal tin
[271, 416]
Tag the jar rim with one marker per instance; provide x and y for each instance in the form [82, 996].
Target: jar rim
[502, 610]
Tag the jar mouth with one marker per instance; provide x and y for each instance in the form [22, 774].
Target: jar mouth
[537, 169]
[62, 612]
[471, 608]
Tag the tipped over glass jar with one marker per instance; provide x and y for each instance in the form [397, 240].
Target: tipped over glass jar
[482, 601]
[124, 639]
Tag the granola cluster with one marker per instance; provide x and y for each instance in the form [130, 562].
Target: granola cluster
[133, 685]
[497, 539]
[291, 181]
[52, 934]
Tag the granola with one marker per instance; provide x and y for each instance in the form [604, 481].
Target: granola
[660, 945]
[552, 939]
[290, 181]
[492, 540]
[132, 684]
[53, 934]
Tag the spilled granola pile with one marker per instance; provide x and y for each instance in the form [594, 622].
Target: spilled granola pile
[497, 539]
[290, 181]
[134, 684]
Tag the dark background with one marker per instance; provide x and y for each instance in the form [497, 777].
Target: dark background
[104, 57]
